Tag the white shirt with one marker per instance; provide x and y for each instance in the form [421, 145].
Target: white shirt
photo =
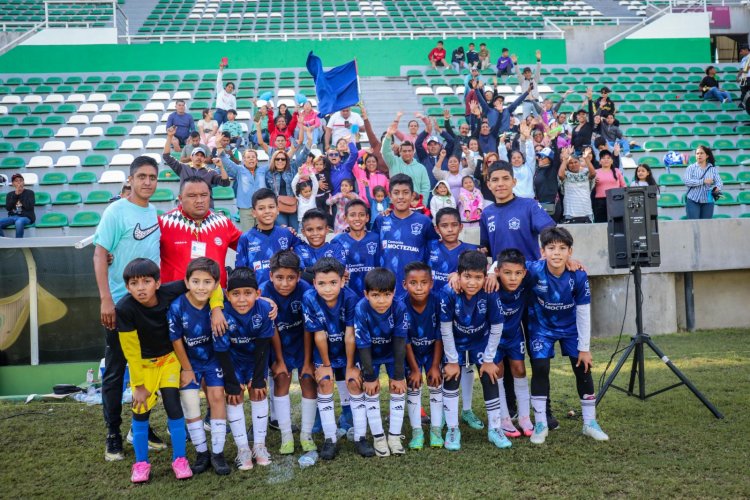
[224, 100]
[745, 67]
[337, 124]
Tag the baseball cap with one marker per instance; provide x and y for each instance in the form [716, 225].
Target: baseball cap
[606, 90]
[605, 152]
[546, 153]
[433, 138]
[196, 151]
[16, 176]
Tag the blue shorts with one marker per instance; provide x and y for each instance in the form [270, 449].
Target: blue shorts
[424, 361]
[294, 360]
[245, 373]
[474, 357]
[212, 374]
[544, 347]
[513, 348]
[388, 369]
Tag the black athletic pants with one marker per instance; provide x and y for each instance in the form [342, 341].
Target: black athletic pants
[112, 381]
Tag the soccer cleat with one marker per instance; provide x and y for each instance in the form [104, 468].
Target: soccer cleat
[141, 472]
[539, 434]
[307, 443]
[417, 439]
[509, 429]
[497, 438]
[526, 426]
[261, 455]
[113, 449]
[155, 442]
[453, 439]
[219, 463]
[202, 462]
[380, 443]
[181, 468]
[329, 450]
[471, 419]
[273, 424]
[244, 459]
[552, 422]
[287, 444]
[436, 437]
[395, 444]
[593, 430]
[207, 421]
[363, 448]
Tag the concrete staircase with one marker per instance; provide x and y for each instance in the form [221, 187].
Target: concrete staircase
[384, 97]
[137, 13]
[611, 8]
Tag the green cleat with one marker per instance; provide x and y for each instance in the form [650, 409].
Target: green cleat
[417, 439]
[453, 439]
[287, 445]
[471, 419]
[436, 437]
[307, 443]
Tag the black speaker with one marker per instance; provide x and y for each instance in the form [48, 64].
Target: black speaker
[633, 227]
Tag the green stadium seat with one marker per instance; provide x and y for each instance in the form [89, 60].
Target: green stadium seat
[654, 146]
[42, 198]
[680, 131]
[8, 121]
[95, 161]
[6, 147]
[17, 133]
[85, 219]
[42, 109]
[724, 144]
[98, 197]
[223, 193]
[31, 121]
[726, 199]
[658, 132]
[54, 179]
[52, 220]
[699, 142]
[678, 146]
[105, 145]
[42, 133]
[20, 109]
[744, 177]
[635, 132]
[724, 160]
[721, 216]
[429, 101]
[669, 200]
[168, 176]
[12, 163]
[27, 147]
[67, 198]
[83, 178]
[162, 194]
[670, 180]
[664, 217]
[116, 132]
[728, 179]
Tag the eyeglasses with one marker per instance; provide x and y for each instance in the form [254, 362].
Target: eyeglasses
[333, 155]
[280, 159]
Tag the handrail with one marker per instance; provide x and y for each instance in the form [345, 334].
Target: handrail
[592, 20]
[36, 28]
[636, 27]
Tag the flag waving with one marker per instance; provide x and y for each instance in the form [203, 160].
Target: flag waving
[336, 88]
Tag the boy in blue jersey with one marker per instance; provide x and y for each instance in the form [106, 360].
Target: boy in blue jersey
[561, 312]
[424, 354]
[286, 289]
[444, 262]
[357, 248]
[255, 247]
[380, 331]
[314, 229]
[193, 341]
[404, 234]
[471, 326]
[329, 317]
[249, 335]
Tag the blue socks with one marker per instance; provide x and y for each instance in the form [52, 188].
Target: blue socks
[140, 440]
[178, 437]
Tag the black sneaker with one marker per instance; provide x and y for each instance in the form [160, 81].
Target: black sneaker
[154, 441]
[202, 462]
[113, 449]
[273, 424]
[219, 463]
[329, 450]
[552, 422]
[363, 448]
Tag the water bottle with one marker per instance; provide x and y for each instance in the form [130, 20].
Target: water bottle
[308, 459]
[90, 376]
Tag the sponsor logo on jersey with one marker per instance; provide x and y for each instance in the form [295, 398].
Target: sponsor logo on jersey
[514, 224]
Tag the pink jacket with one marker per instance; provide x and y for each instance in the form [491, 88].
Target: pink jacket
[376, 179]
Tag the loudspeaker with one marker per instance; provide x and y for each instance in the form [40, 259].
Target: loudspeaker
[633, 227]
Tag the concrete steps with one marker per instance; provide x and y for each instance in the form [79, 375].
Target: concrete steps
[384, 97]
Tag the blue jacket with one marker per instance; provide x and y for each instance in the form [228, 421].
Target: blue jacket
[493, 115]
[244, 180]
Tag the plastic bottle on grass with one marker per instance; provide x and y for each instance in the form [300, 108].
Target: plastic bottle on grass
[308, 459]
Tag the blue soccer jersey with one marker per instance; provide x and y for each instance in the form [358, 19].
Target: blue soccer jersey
[193, 326]
[403, 241]
[290, 322]
[242, 332]
[359, 257]
[308, 255]
[424, 329]
[514, 305]
[515, 224]
[255, 248]
[376, 331]
[471, 320]
[332, 320]
[444, 261]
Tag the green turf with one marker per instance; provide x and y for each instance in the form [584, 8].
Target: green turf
[669, 446]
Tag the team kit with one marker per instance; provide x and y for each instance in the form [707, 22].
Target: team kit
[406, 297]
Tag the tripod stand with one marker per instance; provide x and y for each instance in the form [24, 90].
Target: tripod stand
[638, 369]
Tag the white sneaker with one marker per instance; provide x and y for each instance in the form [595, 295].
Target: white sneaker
[395, 444]
[540, 433]
[261, 455]
[381, 446]
[244, 460]
[595, 432]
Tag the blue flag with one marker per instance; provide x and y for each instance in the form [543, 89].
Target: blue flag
[336, 88]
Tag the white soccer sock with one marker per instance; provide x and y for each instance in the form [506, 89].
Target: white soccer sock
[283, 407]
[493, 413]
[218, 435]
[436, 406]
[504, 412]
[414, 407]
[467, 387]
[198, 436]
[373, 415]
[539, 403]
[271, 399]
[396, 419]
[450, 407]
[359, 415]
[327, 416]
[588, 408]
[344, 395]
[521, 387]
[309, 407]
[260, 421]
[236, 421]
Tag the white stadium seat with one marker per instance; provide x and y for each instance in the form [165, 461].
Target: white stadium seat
[102, 119]
[67, 132]
[112, 177]
[30, 179]
[40, 162]
[78, 120]
[131, 144]
[140, 130]
[122, 159]
[53, 146]
[80, 145]
[68, 161]
[92, 132]
[156, 143]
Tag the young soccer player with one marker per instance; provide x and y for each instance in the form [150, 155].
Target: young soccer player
[380, 330]
[404, 234]
[193, 342]
[144, 336]
[329, 317]
[424, 353]
[286, 289]
[444, 261]
[248, 339]
[255, 248]
[358, 248]
[314, 229]
[471, 326]
[560, 313]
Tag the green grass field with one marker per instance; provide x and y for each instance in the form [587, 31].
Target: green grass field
[669, 446]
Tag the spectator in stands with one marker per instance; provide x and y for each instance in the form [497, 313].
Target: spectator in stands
[504, 65]
[20, 206]
[576, 185]
[309, 118]
[486, 135]
[284, 111]
[342, 123]
[704, 185]
[207, 128]
[643, 176]
[605, 126]
[234, 128]
[279, 179]
[368, 177]
[484, 56]
[498, 111]
[405, 163]
[523, 161]
[374, 141]
[581, 134]
[458, 58]
[429, 156]
[194, 141]
[412, 126]
[125, 191]
[183, 123]
[604, 104]
[449, 170]
[223, 143]
[550, 112]
[472, 57]
[225, 99]
[279, 125]
[546, 185]
[340, 168]
[743, 75]
[437, 56]
[530, 82]
[607, 177]
[709, 87]
[464, 132]
[248, 178]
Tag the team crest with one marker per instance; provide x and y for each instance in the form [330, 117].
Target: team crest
[514, 224]
[390, 321]
[372, 247]
[537, 345]
[283, 243]
[257, 320]
[217, 241]
[572, 284]
[416, 228]
[482, 306]
[295, 306]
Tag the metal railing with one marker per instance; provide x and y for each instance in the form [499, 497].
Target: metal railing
[636, 27]
[36, 28]
[595, 20]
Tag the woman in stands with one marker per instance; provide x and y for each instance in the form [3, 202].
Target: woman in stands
[703, 183]
[581, 135]
[207, 128]
[607, 177]
[368, 177]
[225, 99]
[279, 179]
[709, 87]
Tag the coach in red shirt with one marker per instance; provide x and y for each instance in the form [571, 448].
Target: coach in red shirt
[192, 230]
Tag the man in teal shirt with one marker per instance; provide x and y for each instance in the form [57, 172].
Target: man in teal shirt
[406, 164]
